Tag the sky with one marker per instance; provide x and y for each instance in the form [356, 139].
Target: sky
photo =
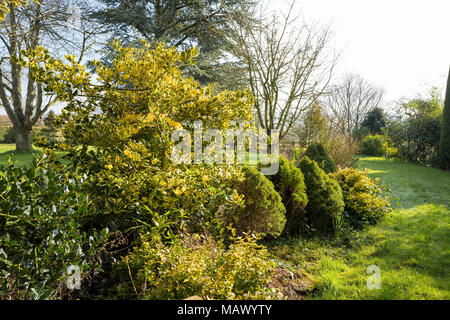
[401, 45]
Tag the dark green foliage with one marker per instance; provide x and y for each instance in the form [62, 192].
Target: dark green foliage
[375, 121]
[289, 183]
[263, 210]
[416, 138]
[40, 220]
[366, 200]
[317, 152]
[373, 145]
[325, 200]
[36, 134]
[183, 24]
[7, 135]
[50, 130]
[444, 144]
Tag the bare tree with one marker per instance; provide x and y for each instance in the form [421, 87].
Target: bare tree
[289, 65]
[349, 103]
[56, 24]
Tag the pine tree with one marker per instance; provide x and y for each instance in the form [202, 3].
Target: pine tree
[50, 130]
[182, 24]
[444, 145]
[375, 121]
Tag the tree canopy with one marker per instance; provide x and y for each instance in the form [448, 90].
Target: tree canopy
[375, 121]
[182, 24]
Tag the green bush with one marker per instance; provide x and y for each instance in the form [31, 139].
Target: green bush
[389, 151]
[317, 152]
[7, 135]
[51, 132]
[125, 147]
[262, 212]
[366, 200]
[374, 122]
[325, 200]
[40, 232]
[121, 141]
[289, 183]
[37, 133]
[416, 136]
[203, 268]
[373, 145]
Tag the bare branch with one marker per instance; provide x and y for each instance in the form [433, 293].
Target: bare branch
[289, 66]
[350, 102]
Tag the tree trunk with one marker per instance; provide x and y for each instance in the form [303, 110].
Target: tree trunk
[23, 139]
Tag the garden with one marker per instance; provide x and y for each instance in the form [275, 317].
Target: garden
[95, 204]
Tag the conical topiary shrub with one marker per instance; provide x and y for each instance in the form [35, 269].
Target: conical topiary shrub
[289, 183]
[263, 211]
[317, 152]
[325, 200]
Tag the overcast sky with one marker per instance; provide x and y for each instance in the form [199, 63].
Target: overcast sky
[402, 45]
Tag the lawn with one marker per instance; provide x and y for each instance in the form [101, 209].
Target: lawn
[411, 247]
[20, 158]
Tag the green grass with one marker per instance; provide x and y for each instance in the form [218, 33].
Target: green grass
[20, 158]
[410, 246]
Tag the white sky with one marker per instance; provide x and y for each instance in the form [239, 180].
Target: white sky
[401, 45]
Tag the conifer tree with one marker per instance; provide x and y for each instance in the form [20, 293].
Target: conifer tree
[182, 24]
[444, 145]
